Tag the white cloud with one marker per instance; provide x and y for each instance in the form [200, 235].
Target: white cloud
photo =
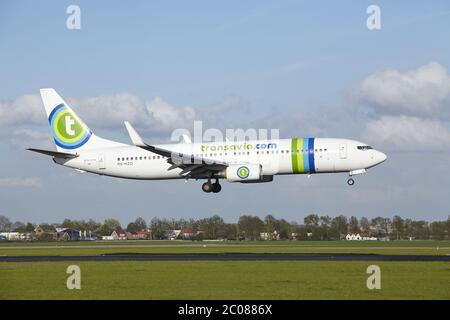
[30, 182]
[25, 109]
[167, 116]
[109, 111]
[26, 138]
[410, 134]
[424, 91]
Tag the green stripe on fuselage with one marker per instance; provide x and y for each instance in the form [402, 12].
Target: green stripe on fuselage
[296, 155]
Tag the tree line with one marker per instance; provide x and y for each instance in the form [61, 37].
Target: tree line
[314, 227]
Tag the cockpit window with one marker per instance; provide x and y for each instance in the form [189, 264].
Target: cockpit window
[364, 147]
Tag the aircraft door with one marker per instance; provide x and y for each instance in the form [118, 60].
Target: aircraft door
[343, 151]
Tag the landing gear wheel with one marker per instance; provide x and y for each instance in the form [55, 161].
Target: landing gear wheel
[207, 187]
[216, 187]
[350, 181]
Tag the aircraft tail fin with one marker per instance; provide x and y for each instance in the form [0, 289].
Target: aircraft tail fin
[68, 130]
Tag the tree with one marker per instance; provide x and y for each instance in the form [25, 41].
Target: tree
[213, 227]
[325, 221]
[231, 231]
[132, 227]
[398, 227]
[354, 225]
[137, 225]
[448, 227]
[311, 221]
[323, 231]
[158, 228]
[140, 223]
[270, 223]
[417, 229]
[29, 227]
[22, 227]
[5, 223]
[108, 227]
[340, 225]
[285, 229]
[67, 223]
[364, 225]
[18, 226]
[312, 226]
[438, 230]
[250, 226]
[382, 225]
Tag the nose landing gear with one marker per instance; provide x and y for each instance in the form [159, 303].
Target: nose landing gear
[212, 187]
[351, 173]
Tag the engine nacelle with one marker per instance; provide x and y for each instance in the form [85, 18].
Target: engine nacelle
[244, 173]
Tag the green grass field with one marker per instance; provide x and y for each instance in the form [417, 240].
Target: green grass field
[103, 247]
[225, 279]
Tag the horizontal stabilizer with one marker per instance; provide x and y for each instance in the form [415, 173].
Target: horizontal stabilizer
[61, 155]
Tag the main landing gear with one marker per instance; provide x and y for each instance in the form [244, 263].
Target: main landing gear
[212, 187]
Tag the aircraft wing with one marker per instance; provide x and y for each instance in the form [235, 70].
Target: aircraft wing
[55, 154]
[192, 167]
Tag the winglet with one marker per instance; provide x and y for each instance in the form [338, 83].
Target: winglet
[135, 138]
[185, 138]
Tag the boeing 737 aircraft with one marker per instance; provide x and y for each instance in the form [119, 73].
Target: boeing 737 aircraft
[242, 161]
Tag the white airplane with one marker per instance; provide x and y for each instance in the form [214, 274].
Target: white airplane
[237, 161]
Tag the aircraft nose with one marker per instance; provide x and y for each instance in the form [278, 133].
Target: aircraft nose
[380, 157]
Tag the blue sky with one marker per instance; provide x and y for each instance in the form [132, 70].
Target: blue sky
[305, 67]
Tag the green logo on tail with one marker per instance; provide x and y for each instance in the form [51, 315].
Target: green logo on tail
[68, 131]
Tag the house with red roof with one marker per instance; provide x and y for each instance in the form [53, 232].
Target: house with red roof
[119, 235]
